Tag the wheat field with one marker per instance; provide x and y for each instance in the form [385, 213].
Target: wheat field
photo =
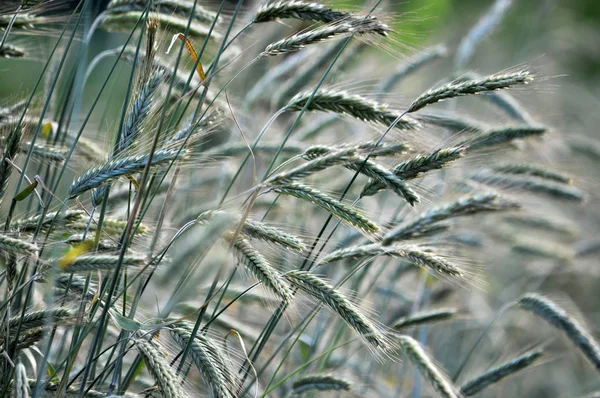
[291, 198]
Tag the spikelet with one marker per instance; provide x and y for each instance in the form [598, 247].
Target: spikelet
[450, 122]
[557, 317]
[469, 205]
[424, 317]
[22, 20]
[469, 87]
[545, 249]
[586, 147]
[502, 136]
[412, 168]
[384, 178]
[414, 255]
[320, 382]
[483, 28]
[357, 252]
[57, 219]
[45, 152]
[261, 269]
[258, 230]
[344, 103]
[329, 204]
[337, 29]
[27, 338]
[370, 148]
[300, 40]
[208, 358]
[139, 111]
[118, 168]
[370, 168]
[497, 373]
[308, 11]
[532, 170]
[531, 184]
[373, 150]
[311, 167]
[110, 226]
[76, 284]
[17, 246]
[328, 295]
[30, 338]
[543, 223]
[37, 319]
[162, 373]
[432, 262]
[101, 262]
[296, 9]
[427, 368]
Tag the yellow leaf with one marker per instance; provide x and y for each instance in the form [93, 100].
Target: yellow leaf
[74, 252]
[47, 129]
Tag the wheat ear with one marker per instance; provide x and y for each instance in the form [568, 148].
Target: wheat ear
[412, 168]
[163, 374]
[558, 317]
[469, 87]
[414, 255]
[302, 10]
[208, 358]
[495, 374]
[331, 205]
[261, 269]
[428, 369]
[57, 219]
[531, 184]
[378, 173]
[469, 205]
[532, 170]
[502, 136]
[261, 231]
[311, 167]
[320, 382]
[17, 246]
[328, 295]
[424, 317]
[118, 168]
[357, 106]
[37, 319]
